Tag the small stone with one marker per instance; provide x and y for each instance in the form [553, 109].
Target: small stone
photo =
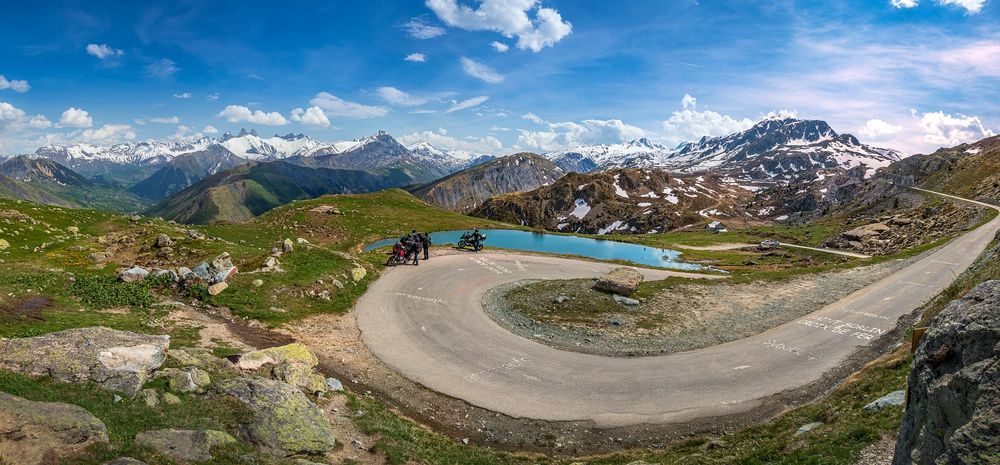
[217, 288]
[301, 241]
[808, 427]
[286, 246]
[892, 398]
[150, 398]
[4, 244]
[170, 399]
[561, 299]
[358, 273]
[116, 399]
[334, 384]
[625, 300]
[73, 230]
[258, 282]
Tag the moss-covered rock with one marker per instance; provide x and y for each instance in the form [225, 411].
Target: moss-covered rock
[116, 360]
[40, 432]
[285, 421]
[291, 353]
[184, 445]
[301, 375]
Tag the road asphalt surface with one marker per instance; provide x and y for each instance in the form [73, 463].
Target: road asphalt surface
[427, 323]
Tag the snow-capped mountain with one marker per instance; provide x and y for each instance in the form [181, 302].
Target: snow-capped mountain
[253, 147]
[773, 150]
[456, 159]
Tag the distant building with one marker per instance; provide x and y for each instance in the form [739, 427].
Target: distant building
[716, 227]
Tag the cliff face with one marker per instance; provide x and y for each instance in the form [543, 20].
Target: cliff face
[465, 190]
[953, 416]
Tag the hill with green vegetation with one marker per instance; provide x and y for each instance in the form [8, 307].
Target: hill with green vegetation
[45, 181]
[185, 170]
[251, 189]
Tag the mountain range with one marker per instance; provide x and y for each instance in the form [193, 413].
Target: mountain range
[773, 150]
[465, 190]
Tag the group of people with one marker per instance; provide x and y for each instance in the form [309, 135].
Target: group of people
[412, 244]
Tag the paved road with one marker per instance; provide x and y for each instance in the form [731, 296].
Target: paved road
[428, 324]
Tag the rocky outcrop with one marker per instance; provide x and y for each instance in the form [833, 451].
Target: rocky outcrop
[184, 445]
[41, 432]
[285, 421]
[953, 415]
[467, 189]
[116, 360]
[622, 281]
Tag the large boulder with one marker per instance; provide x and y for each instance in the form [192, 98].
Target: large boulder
[953, 415]
[184, 445]
[116, 360]
[41, 432]
[866, 233]
[285, 421]
[623, 281]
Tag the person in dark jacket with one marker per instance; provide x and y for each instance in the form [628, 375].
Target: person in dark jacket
[425, 241]
[415, 242]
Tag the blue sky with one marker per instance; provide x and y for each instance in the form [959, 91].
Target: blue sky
[498, 75]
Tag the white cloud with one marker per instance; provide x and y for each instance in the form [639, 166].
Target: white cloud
[587, 132]
[165, 120]
[14, 85]
[10, 115]
[946, 130]
[103, 51]
[417, 57]
[239, 114]
[499, 46]
[75, 118]
[312, 116]
[784, 113]
[109, 133]
[183, 95]
[163, 68]
[971, 6]
[875, 128]
[903, 3]
[480, 71]
[689, 124]
[440, 138]
[394, 96]
[39, 122]
[508, 17]
[533, 118]
[213, 96]
[423, 112]
[210, 130]
[335, 106]
[421, 29]
[688, 102]
[468, 103]
[499, 129]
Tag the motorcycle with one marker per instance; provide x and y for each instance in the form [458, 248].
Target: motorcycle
[468, 240]
[397, 256]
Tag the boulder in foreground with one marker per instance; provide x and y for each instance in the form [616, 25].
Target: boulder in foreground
[285, 421]
[623, 281]
[116, 360]
[184, 445]
[39, 432]
[953, 414]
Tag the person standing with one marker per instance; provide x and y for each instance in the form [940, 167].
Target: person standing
[415, 242]
[425, 241]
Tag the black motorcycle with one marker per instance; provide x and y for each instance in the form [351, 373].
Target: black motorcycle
[469, 240]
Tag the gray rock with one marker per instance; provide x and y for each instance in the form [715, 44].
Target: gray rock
[184, 445]
[217, 288]
[163, 240]
[131, 275]
[149, 397]
[334, 384]
[624, 281]
[170, 273]
[626, 300]
[892, 398]
[37, 432]
[187, 379]
[201, 270]
[285, 421]
[952, 415]
[116, 360]
[286, 246]
[125, 461]
[561, 299]
[808, 427]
